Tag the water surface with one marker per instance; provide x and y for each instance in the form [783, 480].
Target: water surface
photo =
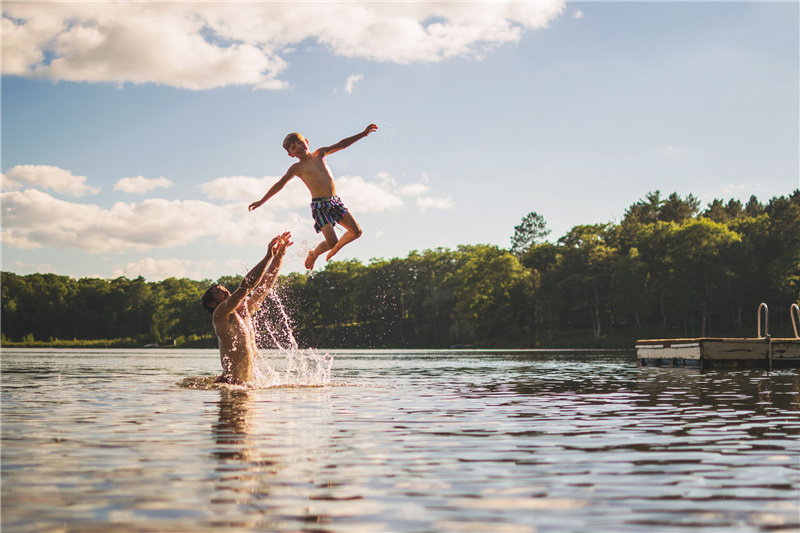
[397, 441]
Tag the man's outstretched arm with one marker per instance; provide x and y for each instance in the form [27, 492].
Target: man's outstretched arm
[250, 281]
[271, 276]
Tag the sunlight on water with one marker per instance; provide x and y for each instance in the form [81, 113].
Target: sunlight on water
[399, 440]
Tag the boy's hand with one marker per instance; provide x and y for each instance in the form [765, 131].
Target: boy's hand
[254, 205]
[369, 129]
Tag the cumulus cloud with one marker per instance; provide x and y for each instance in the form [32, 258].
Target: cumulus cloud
[424, 203]
[41, 268]
[247, 190]
[202, 45]
[141, 185]
[47, 177]
[351, 83]
[413, 189]
[32, 218]
[367, 197]
[161, 269]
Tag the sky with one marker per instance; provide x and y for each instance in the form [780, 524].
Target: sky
[135, 134]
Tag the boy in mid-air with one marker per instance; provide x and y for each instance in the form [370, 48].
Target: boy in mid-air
[326, 208]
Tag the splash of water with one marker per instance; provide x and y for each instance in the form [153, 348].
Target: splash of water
[291, 365]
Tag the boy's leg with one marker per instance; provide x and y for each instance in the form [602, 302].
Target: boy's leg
[353, 232]
[329, 242]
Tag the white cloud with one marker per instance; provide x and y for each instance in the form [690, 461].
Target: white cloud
[365, 197]
[161, 269]
[741, 190]
[41, 268]
[7, 184]
[47, 177]
[202, 45]
[247, 190]
[351, 82]
[578, 14]
[424, 203]
[413, 189]
[34, 219]
[141, 185]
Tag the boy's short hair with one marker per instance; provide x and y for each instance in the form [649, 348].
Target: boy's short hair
[292, 137]
[208, 297]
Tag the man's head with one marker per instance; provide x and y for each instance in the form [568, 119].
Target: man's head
[291, 139]
[214, 296]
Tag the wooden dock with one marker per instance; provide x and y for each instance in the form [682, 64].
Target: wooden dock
[719, 353]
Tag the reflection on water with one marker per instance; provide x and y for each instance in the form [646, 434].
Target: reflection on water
[405, 441]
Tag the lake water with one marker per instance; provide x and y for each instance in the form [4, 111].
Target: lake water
[105, 440]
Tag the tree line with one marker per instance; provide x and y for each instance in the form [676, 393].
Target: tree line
[667, 269]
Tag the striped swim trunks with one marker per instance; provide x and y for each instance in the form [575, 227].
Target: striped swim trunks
[328, 210]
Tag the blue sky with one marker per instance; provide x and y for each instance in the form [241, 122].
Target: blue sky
[134, 135]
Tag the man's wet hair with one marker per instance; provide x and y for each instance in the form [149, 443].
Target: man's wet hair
[208, 298]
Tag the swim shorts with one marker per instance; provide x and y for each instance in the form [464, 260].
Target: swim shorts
[328, 210]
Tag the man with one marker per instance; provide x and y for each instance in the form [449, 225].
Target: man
[233, 314]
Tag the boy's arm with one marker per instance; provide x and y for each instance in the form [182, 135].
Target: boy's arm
[274, 189]
[271, 276]
[344, 143]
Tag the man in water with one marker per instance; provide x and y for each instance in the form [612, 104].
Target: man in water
[233, 314]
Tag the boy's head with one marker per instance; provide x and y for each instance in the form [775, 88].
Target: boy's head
[292, 137]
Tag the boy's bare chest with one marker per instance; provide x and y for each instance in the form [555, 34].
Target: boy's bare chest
[314, 169]
[317, 177]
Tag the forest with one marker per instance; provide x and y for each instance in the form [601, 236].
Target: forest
[668, 269]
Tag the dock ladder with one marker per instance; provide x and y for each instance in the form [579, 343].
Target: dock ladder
[766, 321]
[766, 329]
[794, 311]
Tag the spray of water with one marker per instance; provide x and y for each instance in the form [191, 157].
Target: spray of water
[289, 365]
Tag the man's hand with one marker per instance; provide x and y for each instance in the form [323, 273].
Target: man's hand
[369, 129]
[255, 205]
[273, 245]
[279, 244]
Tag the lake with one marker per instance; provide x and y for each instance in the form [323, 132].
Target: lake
[396, 441]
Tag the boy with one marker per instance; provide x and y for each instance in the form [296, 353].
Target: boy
[326, 208]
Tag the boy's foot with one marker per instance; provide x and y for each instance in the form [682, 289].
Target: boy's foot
[310, 260]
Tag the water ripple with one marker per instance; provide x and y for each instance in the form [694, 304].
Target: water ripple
[96, 441]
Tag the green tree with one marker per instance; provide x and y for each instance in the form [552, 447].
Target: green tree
[532, 230]
[587, 260]
[492, 296]
[702, 271]
[655, 250]
[543, 261]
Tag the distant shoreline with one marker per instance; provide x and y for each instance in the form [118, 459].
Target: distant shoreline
[209, 343]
